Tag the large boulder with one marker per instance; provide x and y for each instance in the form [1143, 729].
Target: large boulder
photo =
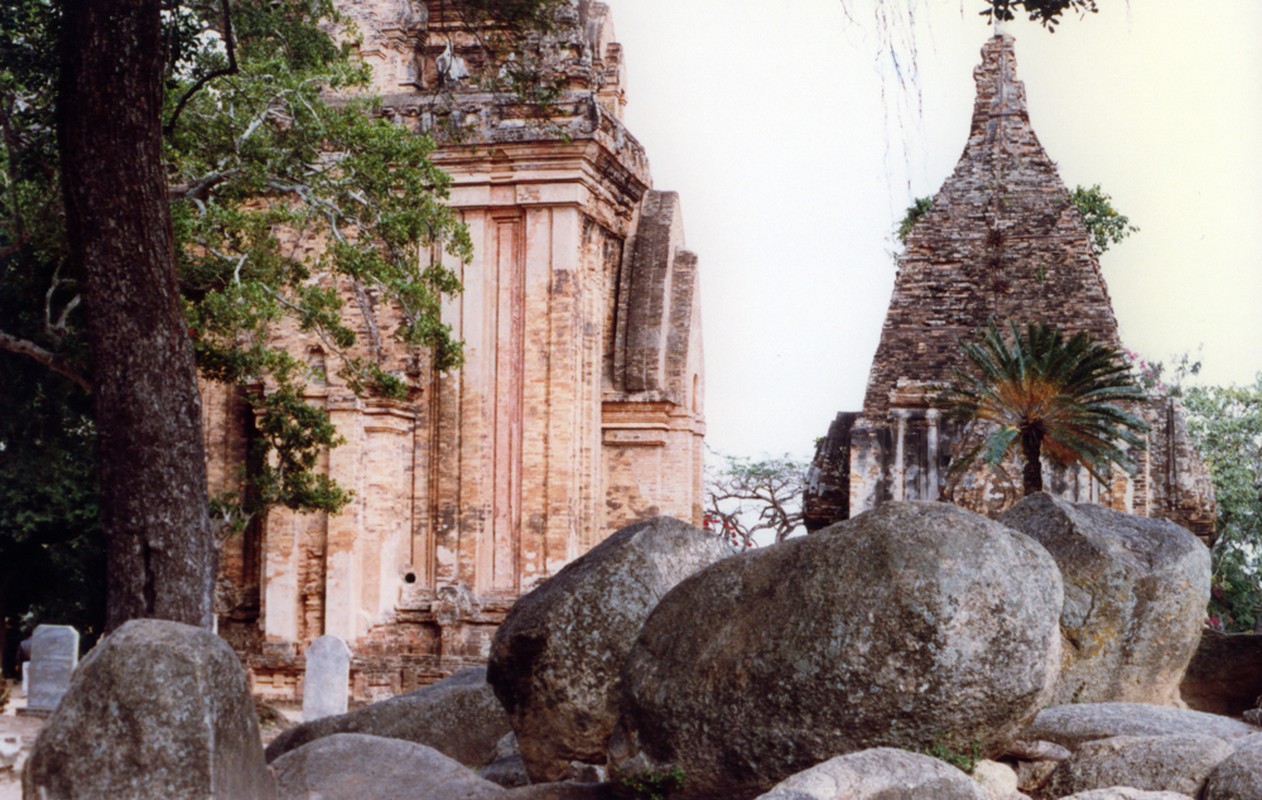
[555, 661]
[1072, 725]
[1153, 763]
[1238, 776]
[882, 773]
[157, 710]
[1125, 793]
[912, 625]
[1135, 596]
[356, 766]
[458, 716]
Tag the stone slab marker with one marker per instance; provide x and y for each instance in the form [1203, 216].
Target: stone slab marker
[54, 656]
[327, 681]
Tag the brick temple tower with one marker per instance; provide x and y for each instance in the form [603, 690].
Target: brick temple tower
[579, 407]
[1004, 241]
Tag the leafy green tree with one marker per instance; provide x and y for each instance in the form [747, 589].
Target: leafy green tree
[159, 544]
[52, 552]
[1106, 225]
[269, 151]
[1038, 393]
[1047, 13]
[287, 157]
[51, 542]
[1225, 423]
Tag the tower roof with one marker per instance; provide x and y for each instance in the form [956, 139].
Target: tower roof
[1003, 240]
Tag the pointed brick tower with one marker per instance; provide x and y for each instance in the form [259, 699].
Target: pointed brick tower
[1004, 241]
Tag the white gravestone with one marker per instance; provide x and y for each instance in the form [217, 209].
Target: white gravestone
[54, 655]
[326, 682]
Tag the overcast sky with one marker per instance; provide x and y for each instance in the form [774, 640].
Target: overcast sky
[795, 149]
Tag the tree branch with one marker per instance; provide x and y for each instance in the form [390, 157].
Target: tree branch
[231, 69]
[198, 189]
[51, 360]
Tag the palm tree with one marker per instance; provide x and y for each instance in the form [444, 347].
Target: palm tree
[1042, 393]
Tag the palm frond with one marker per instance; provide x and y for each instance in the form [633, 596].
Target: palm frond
[1062, 392]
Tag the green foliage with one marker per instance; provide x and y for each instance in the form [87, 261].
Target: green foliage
[1105, 224]
[52, 553]
[1225, 423]
[1046, 12]
[1040, 393]
[51, 541]
[963, 757]
[651, 785]
[280, 157]
[746, 496]
[1156, 377]
[918, 208]
[289, 192]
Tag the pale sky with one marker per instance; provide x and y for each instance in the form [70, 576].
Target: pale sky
[795, 151]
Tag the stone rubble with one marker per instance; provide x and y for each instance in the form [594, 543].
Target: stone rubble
[913, 625]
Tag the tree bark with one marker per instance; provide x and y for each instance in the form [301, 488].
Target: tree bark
[160, 550]
[1032, 452]
[5, 666]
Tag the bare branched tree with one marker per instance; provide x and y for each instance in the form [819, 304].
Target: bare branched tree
[745, 497]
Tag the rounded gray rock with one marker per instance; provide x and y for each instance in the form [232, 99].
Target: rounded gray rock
[910, 625]
[356, 766]
[882, 773]
[556, 660]
[1072, 725]
[1238, 776]
[458, 716]
[1177, 763]
[1135, 596]
[157, 710]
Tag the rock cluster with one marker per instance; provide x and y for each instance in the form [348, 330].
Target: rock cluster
[912, 625]
[869, 660]
[1137, 750]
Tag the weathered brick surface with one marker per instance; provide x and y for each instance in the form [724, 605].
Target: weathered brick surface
[1003, 241]
[488, 479]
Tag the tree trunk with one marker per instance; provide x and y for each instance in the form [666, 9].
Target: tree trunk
[160, 551]
[7, 667]
[1032, 452]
